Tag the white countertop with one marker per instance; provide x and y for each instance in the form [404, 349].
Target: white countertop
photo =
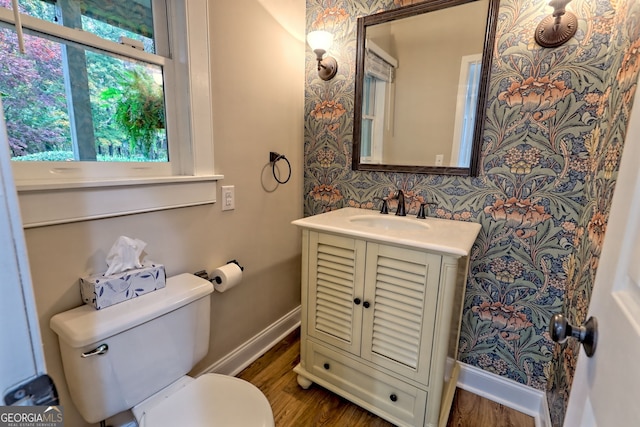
[440, 235]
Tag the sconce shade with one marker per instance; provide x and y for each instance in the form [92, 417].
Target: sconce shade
[320, 42]
[558, 28]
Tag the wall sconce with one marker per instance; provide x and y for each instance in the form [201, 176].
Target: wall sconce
[556, 29]
[320, 41]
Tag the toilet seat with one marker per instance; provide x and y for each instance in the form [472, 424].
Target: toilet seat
[209, 400]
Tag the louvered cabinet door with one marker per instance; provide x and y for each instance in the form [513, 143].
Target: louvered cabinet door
[336, 279]
[401, 289]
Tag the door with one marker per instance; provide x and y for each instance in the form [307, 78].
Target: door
[23, 379]
[401, 296]
[606, 388]
[336, 281]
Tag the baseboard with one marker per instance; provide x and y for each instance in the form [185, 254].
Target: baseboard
[502, 390]
[234, 362]
[507, 392]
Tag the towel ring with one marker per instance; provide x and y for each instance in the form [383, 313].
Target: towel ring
[275, 158]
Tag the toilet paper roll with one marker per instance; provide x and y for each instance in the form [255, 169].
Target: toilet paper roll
[226, 277]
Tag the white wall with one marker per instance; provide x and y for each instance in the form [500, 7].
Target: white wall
[258, 89]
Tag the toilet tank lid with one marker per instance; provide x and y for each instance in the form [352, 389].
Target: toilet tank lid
[85, 325]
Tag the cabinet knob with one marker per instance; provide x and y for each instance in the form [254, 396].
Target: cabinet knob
[326, 366]
[366, 304]
[393, 398]
[356, 301]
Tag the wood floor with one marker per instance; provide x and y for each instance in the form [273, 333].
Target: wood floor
[294, 407]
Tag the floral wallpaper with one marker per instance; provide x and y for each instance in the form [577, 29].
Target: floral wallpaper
[554, 133]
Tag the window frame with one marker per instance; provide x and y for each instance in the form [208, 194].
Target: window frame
[187, 75]
[466, 106]
[375, 98]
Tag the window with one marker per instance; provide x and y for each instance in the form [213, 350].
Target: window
[377, 102]
[89, 63]
[373, 117]
[67, 101]
[466, 106]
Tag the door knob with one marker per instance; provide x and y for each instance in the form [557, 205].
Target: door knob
[560, 330]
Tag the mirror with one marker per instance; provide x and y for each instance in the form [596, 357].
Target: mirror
[421, 84]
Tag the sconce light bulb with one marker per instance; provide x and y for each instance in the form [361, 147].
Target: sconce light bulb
[320, 40]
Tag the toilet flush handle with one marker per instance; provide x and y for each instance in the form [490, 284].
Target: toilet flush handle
[101, 349]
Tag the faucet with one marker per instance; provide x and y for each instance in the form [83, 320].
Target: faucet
[384, 209]
[401, 211]
[422, 211]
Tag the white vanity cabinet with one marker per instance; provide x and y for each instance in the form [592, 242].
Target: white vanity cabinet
[378, 322]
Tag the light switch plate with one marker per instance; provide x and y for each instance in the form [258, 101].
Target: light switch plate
[228, 197]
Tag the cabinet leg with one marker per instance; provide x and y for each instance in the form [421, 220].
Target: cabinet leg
[304, 382]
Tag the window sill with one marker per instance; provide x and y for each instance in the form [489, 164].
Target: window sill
[59, 202]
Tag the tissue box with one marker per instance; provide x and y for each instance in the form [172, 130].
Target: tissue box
[102, 291]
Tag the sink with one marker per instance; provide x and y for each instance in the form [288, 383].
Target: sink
[435, 234]
[389, 223]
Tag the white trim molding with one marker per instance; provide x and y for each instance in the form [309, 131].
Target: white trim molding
[507, 392]
[234, 362]
[57, 203]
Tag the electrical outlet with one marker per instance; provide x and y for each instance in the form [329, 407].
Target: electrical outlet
[439, 159]
[228, 197]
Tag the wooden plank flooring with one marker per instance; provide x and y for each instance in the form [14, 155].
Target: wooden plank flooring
[294, 407]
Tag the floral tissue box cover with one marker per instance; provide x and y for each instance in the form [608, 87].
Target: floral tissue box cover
[102, 291]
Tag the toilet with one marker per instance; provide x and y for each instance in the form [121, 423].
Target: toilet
[135, 356]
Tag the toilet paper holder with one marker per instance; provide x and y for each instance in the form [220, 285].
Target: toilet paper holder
[218, 280]
[203, 273]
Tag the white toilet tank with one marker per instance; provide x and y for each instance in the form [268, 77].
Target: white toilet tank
[152, 341]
